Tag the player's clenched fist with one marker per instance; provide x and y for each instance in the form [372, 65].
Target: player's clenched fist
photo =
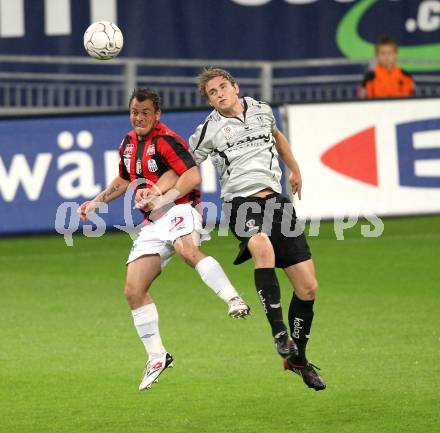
[87, 207]
[144, 198]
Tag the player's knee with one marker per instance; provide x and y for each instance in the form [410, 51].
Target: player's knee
[308, 290]
[265, 258]
[191, 255]
[312, 288]
[133, 295]
[262, 250]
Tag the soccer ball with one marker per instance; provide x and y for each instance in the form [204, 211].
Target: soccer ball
[103, 40]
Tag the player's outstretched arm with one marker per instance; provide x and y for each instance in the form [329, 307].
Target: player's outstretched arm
[185, 183]
[115, 189]
[286, 155]
[164, 184]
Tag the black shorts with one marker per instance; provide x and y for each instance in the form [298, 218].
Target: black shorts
[275, 216]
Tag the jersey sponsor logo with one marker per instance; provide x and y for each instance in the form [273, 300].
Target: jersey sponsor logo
[151, 150]
[128, 151]
[176, 221]
[152, 165]
[229, 132]
[418, 146]
[249, 139]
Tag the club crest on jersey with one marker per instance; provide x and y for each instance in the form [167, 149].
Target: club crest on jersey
[152, 165]
[151, 150]
[228, 132]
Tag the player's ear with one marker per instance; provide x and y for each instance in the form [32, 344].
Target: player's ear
[237, 88]
[157, 114]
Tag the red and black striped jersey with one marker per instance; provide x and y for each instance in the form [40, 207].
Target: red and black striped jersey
[150, 157]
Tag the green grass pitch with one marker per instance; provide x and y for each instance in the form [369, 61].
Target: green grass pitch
[70, 359]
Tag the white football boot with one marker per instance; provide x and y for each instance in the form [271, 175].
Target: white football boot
[238, 308]
[154, 368]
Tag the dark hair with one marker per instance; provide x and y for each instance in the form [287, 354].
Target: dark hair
[143, 94]
[210, 73]
[385, 40]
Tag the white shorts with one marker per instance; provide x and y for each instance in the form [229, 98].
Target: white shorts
[159, 236]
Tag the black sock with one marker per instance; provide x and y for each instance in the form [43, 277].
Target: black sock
[268, 290]
[300, 321]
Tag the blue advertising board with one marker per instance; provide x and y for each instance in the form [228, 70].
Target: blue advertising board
[226, 29]
[50, 165]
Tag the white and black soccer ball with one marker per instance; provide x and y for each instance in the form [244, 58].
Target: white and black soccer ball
[103, 40]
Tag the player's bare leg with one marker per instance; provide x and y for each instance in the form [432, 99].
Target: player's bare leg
[303, 279]
[211, 273]
[269, 292]
[140, 274]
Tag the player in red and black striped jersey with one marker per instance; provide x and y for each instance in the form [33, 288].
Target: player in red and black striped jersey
[148, 157]
[151, 151]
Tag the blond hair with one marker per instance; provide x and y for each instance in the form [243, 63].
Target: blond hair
[208, 74]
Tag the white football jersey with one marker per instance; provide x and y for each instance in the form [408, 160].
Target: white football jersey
[241, 148]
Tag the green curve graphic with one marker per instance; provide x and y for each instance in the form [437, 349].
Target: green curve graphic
[354, 47]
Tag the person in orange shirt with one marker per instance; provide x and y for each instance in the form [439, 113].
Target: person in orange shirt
[386, 80]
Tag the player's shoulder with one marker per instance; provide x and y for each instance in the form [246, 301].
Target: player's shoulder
[164, 131]
[161, 129]
[253, 106]
[128, 138]
[214, 116]
[254, 103]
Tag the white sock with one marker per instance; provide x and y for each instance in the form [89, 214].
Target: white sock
[215, 278]
[146, 322]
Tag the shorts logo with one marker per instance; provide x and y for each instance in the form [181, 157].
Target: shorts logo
[152, 165]
[151, 150]
[176, 221]
[229, 132]
[250, 223]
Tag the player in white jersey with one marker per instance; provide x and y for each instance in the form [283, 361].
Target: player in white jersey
[241, 137]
